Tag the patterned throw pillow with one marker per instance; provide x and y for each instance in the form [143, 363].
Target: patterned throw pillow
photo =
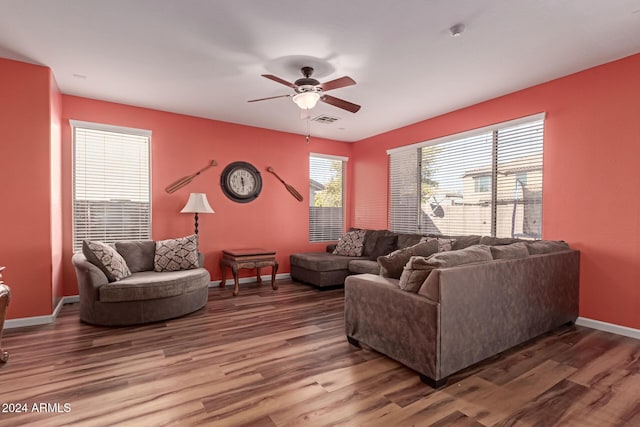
[106, 259]
[350, 244]
[176, 254]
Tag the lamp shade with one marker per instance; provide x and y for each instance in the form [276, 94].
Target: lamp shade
[306, 100]
[197, 203]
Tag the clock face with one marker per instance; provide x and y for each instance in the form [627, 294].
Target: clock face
[241, 182]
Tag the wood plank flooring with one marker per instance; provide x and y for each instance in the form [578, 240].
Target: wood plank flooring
[280, 358]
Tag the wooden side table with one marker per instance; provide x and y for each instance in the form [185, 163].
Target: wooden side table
[237, 259]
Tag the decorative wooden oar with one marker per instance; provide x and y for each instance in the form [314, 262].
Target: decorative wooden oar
[187, 179]
[291, 190]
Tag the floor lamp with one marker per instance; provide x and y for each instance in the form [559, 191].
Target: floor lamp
[196, 204]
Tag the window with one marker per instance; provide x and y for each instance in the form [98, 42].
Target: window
[487, 182]
[326, 197]
[482, 183]
[111, 185]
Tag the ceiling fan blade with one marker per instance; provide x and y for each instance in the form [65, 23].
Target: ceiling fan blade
[337, 83]
[340, 103]
[270, 97]
[279, 80]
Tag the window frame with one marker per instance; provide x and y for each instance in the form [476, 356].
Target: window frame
[492, 132]
[127, 132]
[314, 235]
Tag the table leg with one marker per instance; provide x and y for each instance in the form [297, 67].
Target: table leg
[234, 270]
[259, 276]
[223, 273]
[274, 270]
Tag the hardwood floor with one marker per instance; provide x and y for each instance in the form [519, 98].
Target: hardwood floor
[280, 358]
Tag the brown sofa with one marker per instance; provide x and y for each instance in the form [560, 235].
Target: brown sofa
[145, 296]
[324, 269]
[463, 314]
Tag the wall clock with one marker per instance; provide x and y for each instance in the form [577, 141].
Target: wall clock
[241, 182]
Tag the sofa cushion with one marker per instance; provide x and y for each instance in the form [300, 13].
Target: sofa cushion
[176, 254]
[546, 246]
[444, 243]
[138, 254]
[321, 261]
[493, 241]
[377, 238]
[512, 251]
[385, 244]
[405, 240]
[462, 242]
[147, 285]
[391, 265]
[418, 268]
[361, 266]
[107, 259]
[350, 243]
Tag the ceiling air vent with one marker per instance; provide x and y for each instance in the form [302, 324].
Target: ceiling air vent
[325, 119]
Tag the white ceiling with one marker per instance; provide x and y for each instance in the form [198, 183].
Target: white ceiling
[204, 58]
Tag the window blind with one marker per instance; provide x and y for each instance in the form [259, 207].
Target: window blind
[111, 184]
[487, 182]
[326, 197]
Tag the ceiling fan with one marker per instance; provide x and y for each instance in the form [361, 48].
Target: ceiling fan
[308, 91]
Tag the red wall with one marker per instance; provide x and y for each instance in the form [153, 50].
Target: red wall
[180, 146]
[55, 108]
[591, 179]
[25, 186]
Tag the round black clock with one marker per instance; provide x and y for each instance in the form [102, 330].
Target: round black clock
[241, 182]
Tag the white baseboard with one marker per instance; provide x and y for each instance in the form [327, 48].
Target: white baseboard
[43, 320]
[609, 327]
[40, 320]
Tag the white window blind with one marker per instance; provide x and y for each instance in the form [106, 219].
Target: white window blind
[326, 197]
[487, 182]
[111, 184]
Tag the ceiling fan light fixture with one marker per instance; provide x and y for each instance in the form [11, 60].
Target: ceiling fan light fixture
[306, 100]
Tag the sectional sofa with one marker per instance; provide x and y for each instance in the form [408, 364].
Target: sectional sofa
[453, 309]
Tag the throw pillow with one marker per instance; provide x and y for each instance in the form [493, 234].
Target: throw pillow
[468, 255]
[384, 245]
[350, 243]
[414, 274]
[391, 265]
[418, 268]
[512, 251]
[546, 246]
[176, 254]
[107, 259]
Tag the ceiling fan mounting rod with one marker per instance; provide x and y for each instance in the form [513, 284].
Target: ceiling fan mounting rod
[307, 71]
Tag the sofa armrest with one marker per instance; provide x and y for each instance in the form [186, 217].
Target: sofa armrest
[486, 308]
[399, 324]
[90, 278]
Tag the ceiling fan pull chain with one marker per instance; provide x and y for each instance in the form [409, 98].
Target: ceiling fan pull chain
[308, 129]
